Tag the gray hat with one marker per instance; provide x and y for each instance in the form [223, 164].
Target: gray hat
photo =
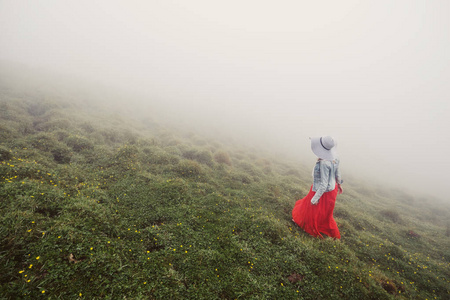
[324, 147]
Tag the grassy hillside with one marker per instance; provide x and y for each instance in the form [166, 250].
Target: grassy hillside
[95, 205]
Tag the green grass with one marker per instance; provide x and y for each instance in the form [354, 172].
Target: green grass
[98, 206]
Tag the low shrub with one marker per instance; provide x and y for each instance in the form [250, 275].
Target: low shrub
[61, 135]
[24, 126]
[267, 170]
[62, 155]
[111, 136]
[53, 124]
[87, 127]
[43, 141]
[241, 178]
[102, 156]
[205, 157]
[202, 156]
[40, 107]
[155, 155]
[222, 157]
[188, 168]
[5, 154]
[79, 143]
[239, 156]
[46, 142]
[173, 151]
[130, 137]
[172, 142]
[263, 162]
[7, 132]
[190, 153]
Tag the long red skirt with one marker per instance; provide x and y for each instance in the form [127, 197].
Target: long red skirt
[317, 219]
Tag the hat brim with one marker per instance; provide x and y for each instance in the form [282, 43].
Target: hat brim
[320, 151]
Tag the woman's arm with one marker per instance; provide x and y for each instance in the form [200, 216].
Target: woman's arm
[338, 177]
[338, 172]
[324, 176]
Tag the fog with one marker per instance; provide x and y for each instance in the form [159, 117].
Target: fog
[373, 74]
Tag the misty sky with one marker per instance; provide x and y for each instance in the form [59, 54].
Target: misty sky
[373, 74]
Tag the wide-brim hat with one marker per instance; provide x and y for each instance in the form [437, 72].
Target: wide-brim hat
[324, 147]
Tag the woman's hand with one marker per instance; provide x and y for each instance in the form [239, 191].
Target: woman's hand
[340, 189]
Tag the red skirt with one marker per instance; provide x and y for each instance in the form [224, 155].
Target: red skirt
[317, 219]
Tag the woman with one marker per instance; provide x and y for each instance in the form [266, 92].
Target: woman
[314, 213]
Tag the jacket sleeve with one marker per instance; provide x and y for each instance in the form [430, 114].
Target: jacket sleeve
[338, 174]
[324, 176]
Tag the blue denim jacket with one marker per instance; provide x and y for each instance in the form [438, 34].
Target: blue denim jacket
[326, 173]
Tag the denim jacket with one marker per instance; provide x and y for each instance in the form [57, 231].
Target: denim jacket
[326, 174]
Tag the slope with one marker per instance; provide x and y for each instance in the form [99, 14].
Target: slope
[98, 205]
